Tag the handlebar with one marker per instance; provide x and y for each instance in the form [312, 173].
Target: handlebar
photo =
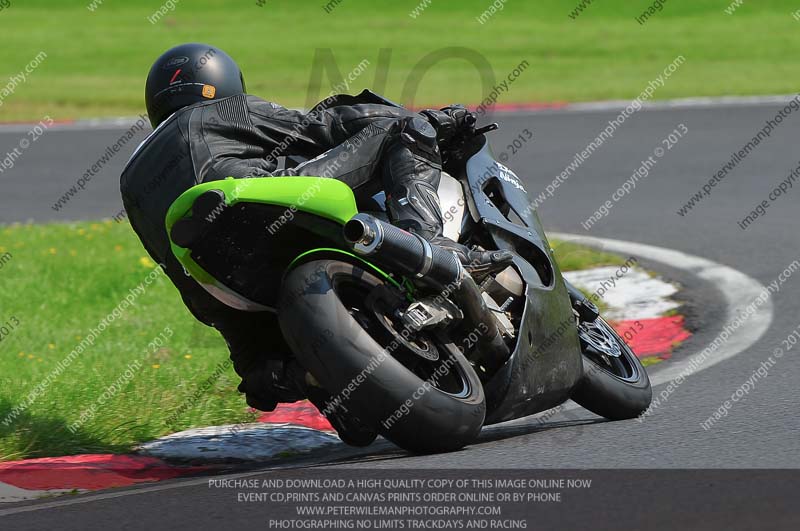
[486, 129]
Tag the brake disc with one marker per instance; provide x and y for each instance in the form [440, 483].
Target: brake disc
[399, 336]
[598, 336]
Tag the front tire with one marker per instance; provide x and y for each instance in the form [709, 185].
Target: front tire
[336, 335]
[616, 388]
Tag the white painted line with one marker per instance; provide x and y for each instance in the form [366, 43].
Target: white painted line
[682, 103]
[158, 487]
[11, 494]
[110, 124]
[591, 106]
[633, 295]
[122, 493]
[738, 289]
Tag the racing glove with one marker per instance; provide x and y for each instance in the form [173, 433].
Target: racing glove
[450, 121]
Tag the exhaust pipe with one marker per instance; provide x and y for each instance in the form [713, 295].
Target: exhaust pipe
[401, 251]
[409, 254]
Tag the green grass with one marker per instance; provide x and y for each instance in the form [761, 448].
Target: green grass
[97, 61]
[60, 280]
[573, 257]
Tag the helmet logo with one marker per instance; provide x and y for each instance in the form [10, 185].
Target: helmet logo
[175, 61]
[209, 91]
[175, 75]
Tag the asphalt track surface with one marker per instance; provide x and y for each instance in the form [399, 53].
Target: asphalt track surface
[760, 431]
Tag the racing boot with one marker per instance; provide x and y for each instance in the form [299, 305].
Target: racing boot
[350, 429]
[268, 382]
[260, 357]
[274, 381]
[411, 172]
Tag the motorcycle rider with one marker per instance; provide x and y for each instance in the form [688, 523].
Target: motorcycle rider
[207, 128]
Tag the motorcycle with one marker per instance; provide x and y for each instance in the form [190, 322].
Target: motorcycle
[392, 328]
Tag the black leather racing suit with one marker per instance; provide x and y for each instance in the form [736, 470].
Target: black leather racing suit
[243, 136]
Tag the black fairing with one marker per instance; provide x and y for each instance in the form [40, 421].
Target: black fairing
[241, 252]
[546, 361]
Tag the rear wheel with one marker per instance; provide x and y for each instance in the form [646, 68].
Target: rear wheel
[416, 389]
[615, 385]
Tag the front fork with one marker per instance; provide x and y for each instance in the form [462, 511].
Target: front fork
[587, 311]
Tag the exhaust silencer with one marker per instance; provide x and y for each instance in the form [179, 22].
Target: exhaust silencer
[411, 255]
[403, 252]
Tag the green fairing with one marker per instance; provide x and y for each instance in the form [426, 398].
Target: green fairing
[328, 198]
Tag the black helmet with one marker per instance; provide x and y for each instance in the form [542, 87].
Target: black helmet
[189, 73]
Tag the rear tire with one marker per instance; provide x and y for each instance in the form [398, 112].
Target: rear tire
[614, 388]
[324, 317]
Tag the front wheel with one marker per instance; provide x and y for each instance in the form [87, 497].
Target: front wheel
[416, 389]
[615, 385]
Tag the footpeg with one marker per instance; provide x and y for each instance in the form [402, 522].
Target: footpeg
[426, 314]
